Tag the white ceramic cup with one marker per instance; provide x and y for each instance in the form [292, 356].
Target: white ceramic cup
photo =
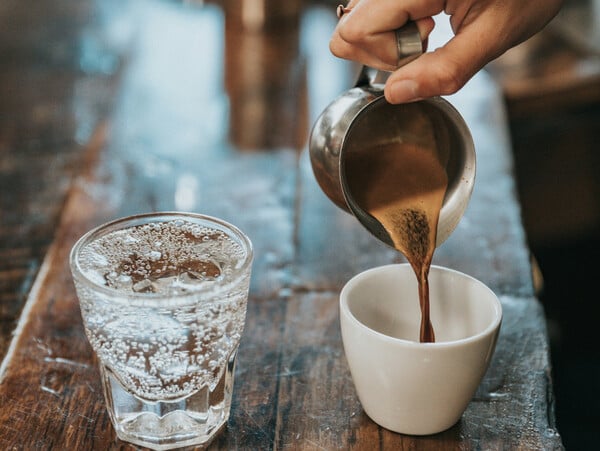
[403, 385]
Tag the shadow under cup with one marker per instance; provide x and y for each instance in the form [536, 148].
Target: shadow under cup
[403, 385]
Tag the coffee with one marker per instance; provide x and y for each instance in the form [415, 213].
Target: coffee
[402, 185]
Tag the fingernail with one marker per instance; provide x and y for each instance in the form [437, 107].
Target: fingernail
[404, 91]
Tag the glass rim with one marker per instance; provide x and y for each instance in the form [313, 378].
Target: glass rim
[145, 218]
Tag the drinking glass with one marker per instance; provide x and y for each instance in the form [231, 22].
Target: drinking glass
[163, 299]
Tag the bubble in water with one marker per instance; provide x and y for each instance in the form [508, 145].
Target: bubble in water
[164, 350]
[162, 257]
[154, 255]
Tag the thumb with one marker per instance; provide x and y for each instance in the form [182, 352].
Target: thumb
[441, 72]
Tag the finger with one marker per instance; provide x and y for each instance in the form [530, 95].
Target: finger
[379, 51]
[369, 17]
[441, 72]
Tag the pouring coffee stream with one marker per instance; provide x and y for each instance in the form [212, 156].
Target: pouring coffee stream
[405, 171]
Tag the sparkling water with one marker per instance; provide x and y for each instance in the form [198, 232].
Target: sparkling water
[164, 313]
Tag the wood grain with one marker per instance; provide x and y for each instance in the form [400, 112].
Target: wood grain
[162, 138]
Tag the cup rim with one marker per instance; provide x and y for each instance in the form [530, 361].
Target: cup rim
[144, 218]
[491, 328]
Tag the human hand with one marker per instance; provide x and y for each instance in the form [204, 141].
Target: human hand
[483, 30]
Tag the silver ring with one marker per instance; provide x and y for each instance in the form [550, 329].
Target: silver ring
[408, 43]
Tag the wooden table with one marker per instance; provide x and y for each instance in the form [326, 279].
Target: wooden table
[112, 108]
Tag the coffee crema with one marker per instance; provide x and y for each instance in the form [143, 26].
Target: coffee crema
[402, 185]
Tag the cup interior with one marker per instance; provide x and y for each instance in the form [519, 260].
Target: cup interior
[385, 301]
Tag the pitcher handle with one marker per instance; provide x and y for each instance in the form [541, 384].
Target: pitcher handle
[410, 47]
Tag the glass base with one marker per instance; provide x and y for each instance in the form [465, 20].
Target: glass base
[161, 425]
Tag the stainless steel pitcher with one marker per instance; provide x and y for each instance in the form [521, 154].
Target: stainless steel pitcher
[362, 115]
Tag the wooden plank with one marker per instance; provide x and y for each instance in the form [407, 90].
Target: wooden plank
[169, 144]
[51, 370]
[318, 408]
[49, 363]
[48, 110]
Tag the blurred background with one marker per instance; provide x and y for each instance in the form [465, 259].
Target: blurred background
[551, 86]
